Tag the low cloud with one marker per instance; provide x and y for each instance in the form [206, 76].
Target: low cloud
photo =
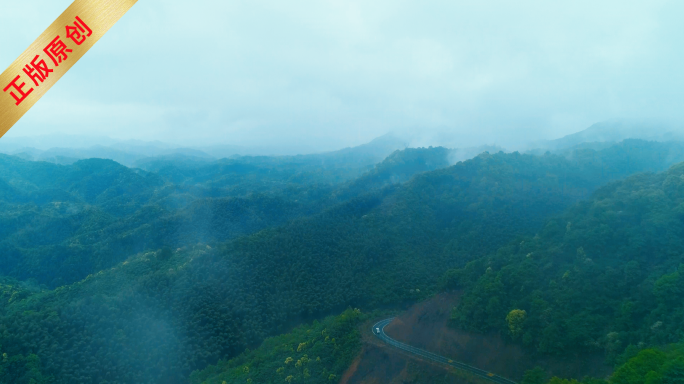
[329, 74]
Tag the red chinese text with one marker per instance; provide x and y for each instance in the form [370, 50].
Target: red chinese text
[18, 88]
[78, 32]
[57, 51]
[38, 70]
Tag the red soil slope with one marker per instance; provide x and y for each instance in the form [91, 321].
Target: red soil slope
[424, 325]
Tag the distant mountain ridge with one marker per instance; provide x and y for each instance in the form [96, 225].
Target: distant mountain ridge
[132, 297]
[135, 153]
[615, 131]
[66, 149]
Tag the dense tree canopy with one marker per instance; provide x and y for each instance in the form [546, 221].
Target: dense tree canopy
[122, 275]
[604, 275]
[316, 353]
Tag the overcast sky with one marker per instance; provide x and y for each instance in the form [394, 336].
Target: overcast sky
[329, 74]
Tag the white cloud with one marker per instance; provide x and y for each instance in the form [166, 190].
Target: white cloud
[336, 73]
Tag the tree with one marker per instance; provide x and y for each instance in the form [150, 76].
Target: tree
[673, 371]
[558, 380]
[534, 376]
[638, 367]
[165, 253]
[515, 320]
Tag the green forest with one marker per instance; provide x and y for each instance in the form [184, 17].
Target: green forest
[603, 276]
[316, 353]
[248, 269]
[659, 365]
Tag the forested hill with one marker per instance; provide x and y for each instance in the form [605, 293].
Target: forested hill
[61, 223]
[163, 313]
[114, 188]
[398, 167]
[603, 277]
[613, 131]
[146, 155]
[239, 173]
[314, 354]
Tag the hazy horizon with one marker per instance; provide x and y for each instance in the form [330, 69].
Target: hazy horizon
[612, 131]
[320, 76]
[332, 192]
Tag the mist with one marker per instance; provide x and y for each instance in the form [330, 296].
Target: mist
[317, 76]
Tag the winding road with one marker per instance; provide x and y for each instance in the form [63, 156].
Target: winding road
[379, 332]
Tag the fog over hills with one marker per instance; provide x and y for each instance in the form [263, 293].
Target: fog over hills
[617, 130]
[349, 192]
[67, 149]
[181, 261]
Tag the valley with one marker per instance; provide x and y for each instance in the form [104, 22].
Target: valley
[241, 269]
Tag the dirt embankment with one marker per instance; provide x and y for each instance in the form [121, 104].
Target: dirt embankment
[424, 326]
[378, 364]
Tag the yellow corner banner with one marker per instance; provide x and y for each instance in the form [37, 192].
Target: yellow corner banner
[53, 53]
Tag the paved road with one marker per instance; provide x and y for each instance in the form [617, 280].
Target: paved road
[379, 332]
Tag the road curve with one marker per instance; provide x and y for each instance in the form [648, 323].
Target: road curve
[379, 332]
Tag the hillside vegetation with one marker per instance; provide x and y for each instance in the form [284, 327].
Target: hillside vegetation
[181, 276]
[606, 275]
[61, 223]
[316, 353]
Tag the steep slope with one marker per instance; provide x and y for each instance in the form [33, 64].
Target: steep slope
[62, 243]
[236, 174]
[160, 315]
[398, 167]
[615, 131]
[316, 353]
[425, 325]
[93, 214]
[604, 275]
[115, 188]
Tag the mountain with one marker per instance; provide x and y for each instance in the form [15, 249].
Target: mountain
[67, 149]
[504, 278]
[463, 154]
[376, 149]
[91, 181]
[62, 223]
[165, 312]
[398, 167]
[602, 276]
[135, 275]
[614, 131]
[316, 353]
